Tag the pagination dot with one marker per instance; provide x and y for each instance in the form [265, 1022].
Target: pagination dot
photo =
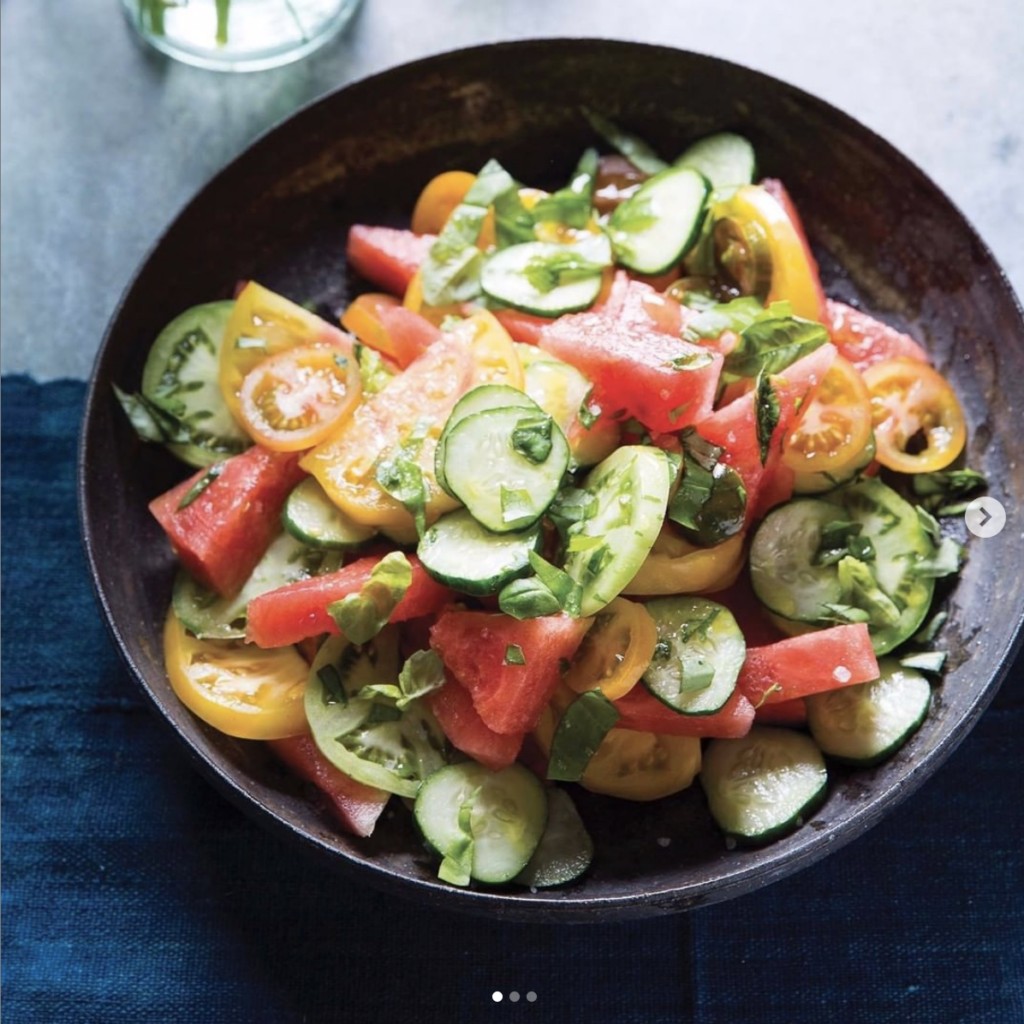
[531, 997]
[513, 997]
[496, 996]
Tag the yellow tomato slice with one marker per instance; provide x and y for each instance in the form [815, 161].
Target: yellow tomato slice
[630, 765]
[438, 199]
[295, 399]
[675, 566]
[792, 277]
[495, 360]
[415, 403]
[262, 324]
[834, 428]
[919, 424]
[245, 691]
[615, 652]
[362, 318]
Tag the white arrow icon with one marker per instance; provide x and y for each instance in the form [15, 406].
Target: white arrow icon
[985, 517]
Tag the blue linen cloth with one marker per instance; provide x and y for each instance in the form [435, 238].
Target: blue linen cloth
[132, 892]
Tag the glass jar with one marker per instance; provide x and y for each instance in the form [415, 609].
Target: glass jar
[238, 35]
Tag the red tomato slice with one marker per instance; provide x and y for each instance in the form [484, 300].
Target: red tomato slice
[508, 697]
[635, 364]
[299, 610]
[388, 257]
[222, 533]
[642, 712]
[466, 730]
[811, 663]
[863, 340]
[356, 806]
[293, 400]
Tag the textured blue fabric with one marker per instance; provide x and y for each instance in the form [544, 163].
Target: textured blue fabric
[133, 893]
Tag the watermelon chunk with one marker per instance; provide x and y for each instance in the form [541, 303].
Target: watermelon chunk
[466, 730]
[388, 257]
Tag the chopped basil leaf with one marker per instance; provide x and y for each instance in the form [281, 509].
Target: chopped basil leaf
[375, 375]
[710, 503]
[770, 345]
[768, 410]
[531, 437]
[528, 599]
[588, 412]
[571, 505]
[941, 492]
[929, 524]
[930, 630]
[861, 589]
[581, 542]
[634, 149]
[513, 222]
[692, 360]
[586, 722]
[839, 539]
[845, 614]
[361, 616]
[422, 673]
[514, 655]
[945, 562]
[560, 583]
[457, 865]
[200, 485]
[925, 661]
[545, 273]
[572, 205]
[333, 687]
[400, 476]
[714, 320]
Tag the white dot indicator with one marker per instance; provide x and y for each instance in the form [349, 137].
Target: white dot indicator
[496, 996]
[513, 997]
[531, 997]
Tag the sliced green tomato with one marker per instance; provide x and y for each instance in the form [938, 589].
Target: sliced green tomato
[726, 159]
[368, 737]
[543, 278]
[466, 556]
[652, 230]
[630, 489]
[180, 375]
[697, 657]
[865, 724]
[763, 785]
[311, 517]
[821, 483]
[479, 399]
[507, 813]
[488, 468]
[207, 615]
[565, 850]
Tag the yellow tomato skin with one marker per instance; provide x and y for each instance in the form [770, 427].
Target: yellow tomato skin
[630, 765]
[362, 318]
[833, 430]
[245, 691]
[675, 566]
[438, 199]
[615, 652]
[264, 324]
[910, 400]
[793, 278]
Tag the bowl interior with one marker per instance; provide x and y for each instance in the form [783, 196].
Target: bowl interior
[884, 235]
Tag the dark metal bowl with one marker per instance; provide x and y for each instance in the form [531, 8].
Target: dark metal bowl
[885, 236]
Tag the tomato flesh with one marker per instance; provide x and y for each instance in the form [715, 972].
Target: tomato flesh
[863, 340]
[466, 730]
[409, 334]
[474, 647]
[387, 257]
[223, 532]
[298, 610]
[357, 807]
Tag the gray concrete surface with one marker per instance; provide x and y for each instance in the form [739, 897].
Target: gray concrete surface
[102, 141]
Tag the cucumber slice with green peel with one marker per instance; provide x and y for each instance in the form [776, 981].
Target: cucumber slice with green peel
[763, 785]
[565, 850]
[697, 656]
[460, 553]
[181, 376]
[863, 725]
[207, 615]
[655, 227]
[630, 489]
[492, 820]
[486, 396]
[311, 517]
[506, 465]
[884, 589]
[545, 278]
[365, 734]
[727, 160]
[821, 483]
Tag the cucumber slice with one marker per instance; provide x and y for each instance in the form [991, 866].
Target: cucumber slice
[311, 517]
[366, 735]
[486, 396]
[207, 615]
[863, 725]
[544, 278]
[727, 160]
[506, 819]
[654, 228]
[821, 483]
[787, 581]
[460, 553]
[181, 376]
[506, 465]
[763, 785]
[697, 657]
[606, 549]
[565, 850]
